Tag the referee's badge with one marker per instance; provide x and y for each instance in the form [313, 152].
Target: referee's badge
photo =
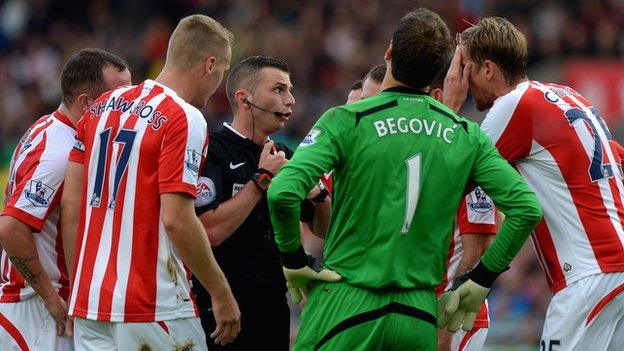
[206, 192]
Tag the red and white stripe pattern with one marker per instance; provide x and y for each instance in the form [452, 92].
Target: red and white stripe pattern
[475, 215]
[32, 196]
[552, 135]
[127, 269]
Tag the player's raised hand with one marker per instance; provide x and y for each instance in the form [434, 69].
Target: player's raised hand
[227, 316]
[270, 159]
[456, 81]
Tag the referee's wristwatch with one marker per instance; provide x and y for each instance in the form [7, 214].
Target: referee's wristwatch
[262, 179]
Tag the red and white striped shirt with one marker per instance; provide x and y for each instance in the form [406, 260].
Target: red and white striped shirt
[560, 144]
[136, 143]
[475, 215]
[32, 196]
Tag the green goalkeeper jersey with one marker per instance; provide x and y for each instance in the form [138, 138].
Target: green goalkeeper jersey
[401, 162]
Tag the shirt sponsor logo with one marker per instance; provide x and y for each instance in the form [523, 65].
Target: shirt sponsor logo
[311, 137]
[206, 192]
[38, 193]
[236, 187]
[479, 201]
[193, 160]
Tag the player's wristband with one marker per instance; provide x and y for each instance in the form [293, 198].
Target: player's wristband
[262, 179]
[482, 275]
[294, 260]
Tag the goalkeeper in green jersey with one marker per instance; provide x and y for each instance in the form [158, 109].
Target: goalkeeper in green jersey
[401, 163]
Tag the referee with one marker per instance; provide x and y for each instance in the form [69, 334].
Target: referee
[231, 203]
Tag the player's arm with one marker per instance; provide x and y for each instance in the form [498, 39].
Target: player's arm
[184, 141]
[475, 245]
[18, 242]
[476, 229]
[320, 151]
[221, 221]
[316, 212]
[70, 213]
[188, 237]
[21, 221]
[513, 197]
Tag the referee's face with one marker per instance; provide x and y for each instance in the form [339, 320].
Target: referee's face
[274, 93]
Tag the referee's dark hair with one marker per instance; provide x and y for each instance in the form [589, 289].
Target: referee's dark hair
[245, 74]
[421, 46]
[83, 73]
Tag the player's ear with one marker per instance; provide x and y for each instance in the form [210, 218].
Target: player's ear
[209, 64]
[84, 101]
[436, 94]
[388, 54]
[489, 69]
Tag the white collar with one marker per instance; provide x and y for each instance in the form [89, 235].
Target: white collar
[229, 126]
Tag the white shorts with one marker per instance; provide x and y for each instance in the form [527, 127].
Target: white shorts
[586, 315]
[27, 325]
[175, 334]
[469, 341]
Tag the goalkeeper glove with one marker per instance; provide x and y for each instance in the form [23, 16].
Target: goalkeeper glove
[460, 305]
[301, 270]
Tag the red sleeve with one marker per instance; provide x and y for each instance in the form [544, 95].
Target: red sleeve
[184, 146]
[38, 179]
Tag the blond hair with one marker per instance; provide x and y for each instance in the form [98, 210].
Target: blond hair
[196, 37]
[497, 40]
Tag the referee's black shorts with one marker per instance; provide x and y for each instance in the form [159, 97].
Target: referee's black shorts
[265, 322]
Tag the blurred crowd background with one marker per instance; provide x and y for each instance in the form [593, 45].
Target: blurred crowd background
[328, 45]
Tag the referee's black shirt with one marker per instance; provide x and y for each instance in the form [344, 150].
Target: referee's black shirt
[249, 257]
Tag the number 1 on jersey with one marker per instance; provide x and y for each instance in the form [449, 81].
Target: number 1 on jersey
[413, 191]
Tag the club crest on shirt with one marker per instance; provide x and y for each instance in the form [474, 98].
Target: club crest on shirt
[478, 201]
[311, 137]
[206, 192]
[193, 160]
[38, 193]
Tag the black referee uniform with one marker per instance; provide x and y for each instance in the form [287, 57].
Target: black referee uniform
[249, 257]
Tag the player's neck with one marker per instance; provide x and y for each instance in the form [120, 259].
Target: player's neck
[72, 112]
[389, 82]
[259, 137]
[177, 82]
